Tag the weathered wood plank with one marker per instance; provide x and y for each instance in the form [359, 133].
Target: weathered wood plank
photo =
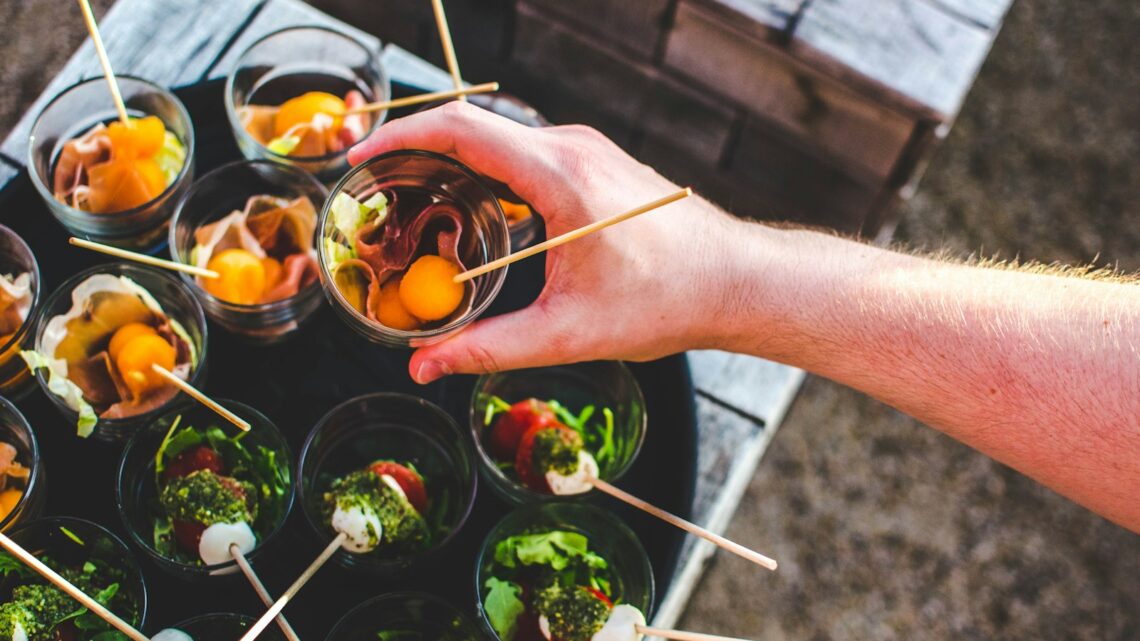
[765, 19]
[862, 137]
[279, 14]
[910, 48]
[753, 386]
[169, 42]
[409, 69]
[635, 27]
[987, 14]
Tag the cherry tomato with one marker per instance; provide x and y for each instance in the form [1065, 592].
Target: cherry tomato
[598, 593]
[188, 534]
[505, 434]
[410, 482]
[202, 457]
[524, 458]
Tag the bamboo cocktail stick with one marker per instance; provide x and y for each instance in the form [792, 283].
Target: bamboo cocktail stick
[262, 593]
[58, 581]
[108, 73]
[143, 258]
[571, 235]
[681, 635]
[275, 609]
[197, 395]
[448, 47]
[691, 528]
[422, 98]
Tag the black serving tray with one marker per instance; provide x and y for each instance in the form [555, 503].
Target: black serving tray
[294, 384]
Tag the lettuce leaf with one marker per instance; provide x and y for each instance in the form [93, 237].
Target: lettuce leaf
[350, 214]
[283, 145]
[503, 607]
[171, 157]
[555, 549]
[61, 386]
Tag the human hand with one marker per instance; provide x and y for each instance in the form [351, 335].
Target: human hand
[640, 290]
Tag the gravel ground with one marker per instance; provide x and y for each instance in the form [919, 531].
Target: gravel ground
[886, 529]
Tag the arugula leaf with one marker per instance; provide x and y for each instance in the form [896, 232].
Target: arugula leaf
[607, 451]
[11, 565]
[503, 606]
[399, 635]
[495, 406]
[160, 455]
[554, 549]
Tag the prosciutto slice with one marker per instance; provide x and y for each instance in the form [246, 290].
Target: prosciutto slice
[69, 181]
[320, 136]
[15, 303]
[267, 227]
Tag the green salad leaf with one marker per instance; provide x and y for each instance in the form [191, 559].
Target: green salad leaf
[555, 549]
[61, 386]
[503, 606]
[283, 145]
[170, 157]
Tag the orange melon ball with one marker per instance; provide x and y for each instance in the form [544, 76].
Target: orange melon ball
[241, 277]
[274, 270]
[142, 138]
[8, 500]
[427, 289]
[390, 311]
[126, 183]
[300, 110]
[126, 334]
[135, 361]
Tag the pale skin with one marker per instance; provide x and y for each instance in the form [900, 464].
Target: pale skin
[1037, 369]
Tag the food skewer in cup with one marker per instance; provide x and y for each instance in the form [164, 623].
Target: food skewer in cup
[53, 577]
[143, 258]
[259, 588]
[422, 98]
[573, 234]
[448, 46]
[292, 591]
[104, 61]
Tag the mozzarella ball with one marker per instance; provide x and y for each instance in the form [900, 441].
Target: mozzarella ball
[362, 527]
[621, 625]
[580, 482]
[214, 548]
[171, 634]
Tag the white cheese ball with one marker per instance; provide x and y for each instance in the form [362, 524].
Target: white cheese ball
[214, 547]
[171, 634]
[621, 625]
[18, 633]
[361, 527]
[580, 482]
[390, 481]
[544, 626]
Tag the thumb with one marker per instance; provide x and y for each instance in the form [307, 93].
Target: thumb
[526, 338]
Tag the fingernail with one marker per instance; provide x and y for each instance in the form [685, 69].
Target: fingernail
[431, 370]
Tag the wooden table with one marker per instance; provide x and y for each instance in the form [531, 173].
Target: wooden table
[740, 400]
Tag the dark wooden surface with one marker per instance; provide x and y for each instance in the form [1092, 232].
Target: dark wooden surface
[741, 399]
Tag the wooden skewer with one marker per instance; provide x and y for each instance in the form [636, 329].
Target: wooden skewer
[691, 528]
[448, 47]
[143, 258]
[571, 235]
[262, 593]
[422, 98]
[192, 391]
[108, 73]
[275, 609]
[681, 635]
[63, 584]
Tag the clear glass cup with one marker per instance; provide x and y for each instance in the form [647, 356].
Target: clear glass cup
[50, 537]
[16, 258]
[223, 627]
[179, 304]
[78, 109]
[136, 493]
[396, 427]
[598, 383]
[215, 196]
[441, 178]
[291, 62]
[405, 615]
[524, 231]
[15, 431]
[609, 536]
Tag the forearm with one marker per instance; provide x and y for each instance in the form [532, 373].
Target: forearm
[1041, 372]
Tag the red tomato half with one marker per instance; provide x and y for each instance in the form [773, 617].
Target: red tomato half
[511, 426]
[410, 482]
[202, 457]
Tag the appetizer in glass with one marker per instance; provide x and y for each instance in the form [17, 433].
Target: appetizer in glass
[88, 556]
[290, 95]
[253, 223]
[111, 181]
[99, 336]
[21, 473]
[19, 300]
[563, 572]
[191, 485]
[395, 233]
[211, 627]
[390, 472]
[405, 616]
[549, 431]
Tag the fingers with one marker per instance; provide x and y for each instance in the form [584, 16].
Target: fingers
[490, 144]
[526, 338]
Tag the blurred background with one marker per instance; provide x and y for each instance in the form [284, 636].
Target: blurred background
[885, 529]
